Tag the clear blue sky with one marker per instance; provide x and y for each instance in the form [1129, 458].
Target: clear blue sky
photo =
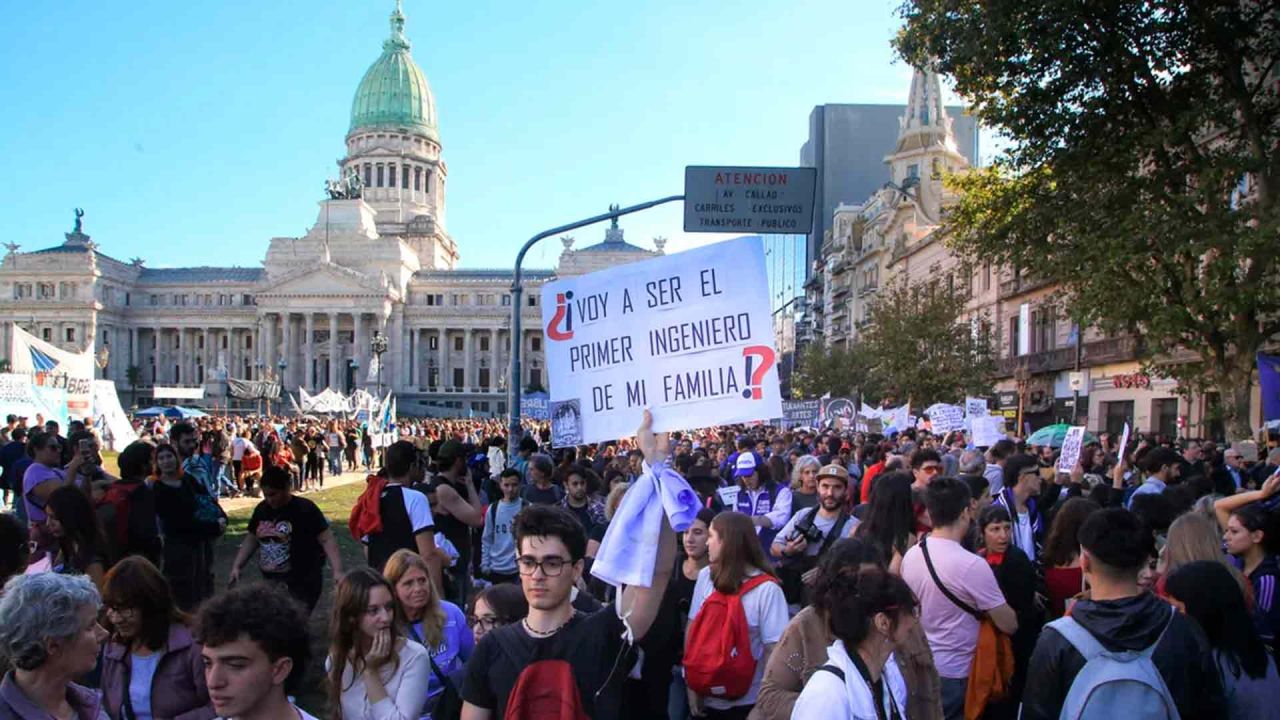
[193, 132]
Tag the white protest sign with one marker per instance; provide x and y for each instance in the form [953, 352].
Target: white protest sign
[975, 407]
[987, 431]
[1072, 443]
[51, 367]
[688, 335]
[897, 418]
[946, 418]
[113, 425]
[1124, 443]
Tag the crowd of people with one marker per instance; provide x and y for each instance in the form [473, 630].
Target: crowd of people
[826, 574]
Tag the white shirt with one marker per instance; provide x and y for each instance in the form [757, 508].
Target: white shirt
[1026, 537]
[825, 697]
[766, 611]
[406, 688]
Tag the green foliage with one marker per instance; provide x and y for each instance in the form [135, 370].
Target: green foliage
[1130, 127]
[920, 347]
[838, 370]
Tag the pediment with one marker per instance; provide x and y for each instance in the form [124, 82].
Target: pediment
[325, 278]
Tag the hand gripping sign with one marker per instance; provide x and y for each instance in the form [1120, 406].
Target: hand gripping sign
[688, 335]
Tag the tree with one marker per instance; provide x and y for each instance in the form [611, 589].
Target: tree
[837, 369]
[134, 375]
[1140, 168]
[920, 349]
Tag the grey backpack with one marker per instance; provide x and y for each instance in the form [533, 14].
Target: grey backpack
[1114, 684]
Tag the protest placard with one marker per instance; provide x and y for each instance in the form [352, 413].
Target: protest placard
[838, 412]
[987, 431]
[1072, 443]
[946, 418]
[975, 407]
[688, 335]
[800, 413]
[1124, 443]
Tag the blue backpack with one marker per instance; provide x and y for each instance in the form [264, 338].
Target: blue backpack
[1114, 683]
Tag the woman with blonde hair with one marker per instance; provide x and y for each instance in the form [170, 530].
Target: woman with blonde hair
[804, 483]
[375, 673]
[1194, 537]
[436, 624]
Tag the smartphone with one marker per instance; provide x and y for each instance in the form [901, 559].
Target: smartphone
[86, 445]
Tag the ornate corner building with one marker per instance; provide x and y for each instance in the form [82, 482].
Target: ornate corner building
[380, 261]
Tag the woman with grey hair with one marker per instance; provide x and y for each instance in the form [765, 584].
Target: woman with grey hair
[49, 634]
[804, 483]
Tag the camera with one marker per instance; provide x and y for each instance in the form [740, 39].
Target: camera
[808, 531]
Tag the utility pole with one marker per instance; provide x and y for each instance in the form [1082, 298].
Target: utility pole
[517, 302]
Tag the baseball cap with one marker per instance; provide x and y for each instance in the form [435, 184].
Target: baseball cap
[449, 451]
[746, 464]
[834, 470]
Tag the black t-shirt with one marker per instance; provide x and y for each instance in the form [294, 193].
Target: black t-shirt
[591, 644]
[538, 496]
[584, 516]
[289, 541]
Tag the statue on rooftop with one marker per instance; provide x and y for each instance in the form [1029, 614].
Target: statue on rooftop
[79, 216]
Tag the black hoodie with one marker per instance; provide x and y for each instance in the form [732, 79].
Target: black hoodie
[1182, 657]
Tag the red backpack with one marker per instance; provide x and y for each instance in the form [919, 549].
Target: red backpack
[717, 659]
[545, 690]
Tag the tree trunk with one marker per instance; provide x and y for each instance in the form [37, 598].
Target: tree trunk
[1235, 390]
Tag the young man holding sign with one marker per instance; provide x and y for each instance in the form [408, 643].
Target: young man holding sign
[583, 656]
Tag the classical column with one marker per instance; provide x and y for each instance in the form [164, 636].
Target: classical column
[182, 356]
[404, 353]
[468, 373]
[286, 351]
[446, 377]
[335, 352]
[359, 347]
[133, 346]
[232, 352]
[309, 351]
[495, 367]
[420, 361]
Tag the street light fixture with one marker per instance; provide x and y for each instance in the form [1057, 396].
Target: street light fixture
[354, 364]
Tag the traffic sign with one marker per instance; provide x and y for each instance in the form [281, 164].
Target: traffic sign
[758, 200]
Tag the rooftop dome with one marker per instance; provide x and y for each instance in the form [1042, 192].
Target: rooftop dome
[394, 94]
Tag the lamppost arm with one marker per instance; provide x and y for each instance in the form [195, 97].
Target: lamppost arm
[517, 293]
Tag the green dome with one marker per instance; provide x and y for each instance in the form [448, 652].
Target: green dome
[394, 94]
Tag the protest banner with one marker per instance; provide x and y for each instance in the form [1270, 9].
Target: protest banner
[113, 425]
[896, 418]
[51, 367]
[975, 407]
[838, 412]
[533, 405]
[1124, 443]
[1072, 444]
[800, 413]
[946, 418]
[987, 431]
[18, 396]
[688, 335]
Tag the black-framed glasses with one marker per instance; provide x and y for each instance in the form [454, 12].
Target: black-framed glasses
[551, 566]
[484, 622]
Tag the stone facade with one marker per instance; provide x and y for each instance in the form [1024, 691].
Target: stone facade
[383, 263]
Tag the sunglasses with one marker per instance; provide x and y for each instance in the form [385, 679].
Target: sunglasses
[931, 469]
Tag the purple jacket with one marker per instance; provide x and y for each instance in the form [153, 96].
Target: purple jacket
[14, 705]
[178, 691]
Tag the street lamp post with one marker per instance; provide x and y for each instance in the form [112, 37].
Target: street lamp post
[1022, 377]
[354, 364]
[517, 295]
[282, 365]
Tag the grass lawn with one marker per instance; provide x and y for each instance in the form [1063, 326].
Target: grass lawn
[336, 505]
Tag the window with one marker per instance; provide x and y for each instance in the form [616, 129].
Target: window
[155, 299]
[1165, 414]
[248, 342]
[70, 335]
[506, 301]
[1042, 329]
[484, 378]
[484, 343]
[457, 377]
[368, 175]
[47, 334]
[936, 168]
[457, 343]
[433, 342]
[380, 176]
[426, 181]
[247, 300]
[535, 344]
[535, 378]
[200, 342]
[913, 170]
[1117, 414]
[404, 177]
[391, 175]
[433, 377]
[1013, 336]
[533, 300]
[417, 179]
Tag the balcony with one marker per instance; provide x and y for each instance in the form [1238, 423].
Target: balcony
[1019, 286]
[1098, 352]
[866, 290]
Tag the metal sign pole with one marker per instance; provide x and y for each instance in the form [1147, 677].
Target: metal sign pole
[517, 295]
